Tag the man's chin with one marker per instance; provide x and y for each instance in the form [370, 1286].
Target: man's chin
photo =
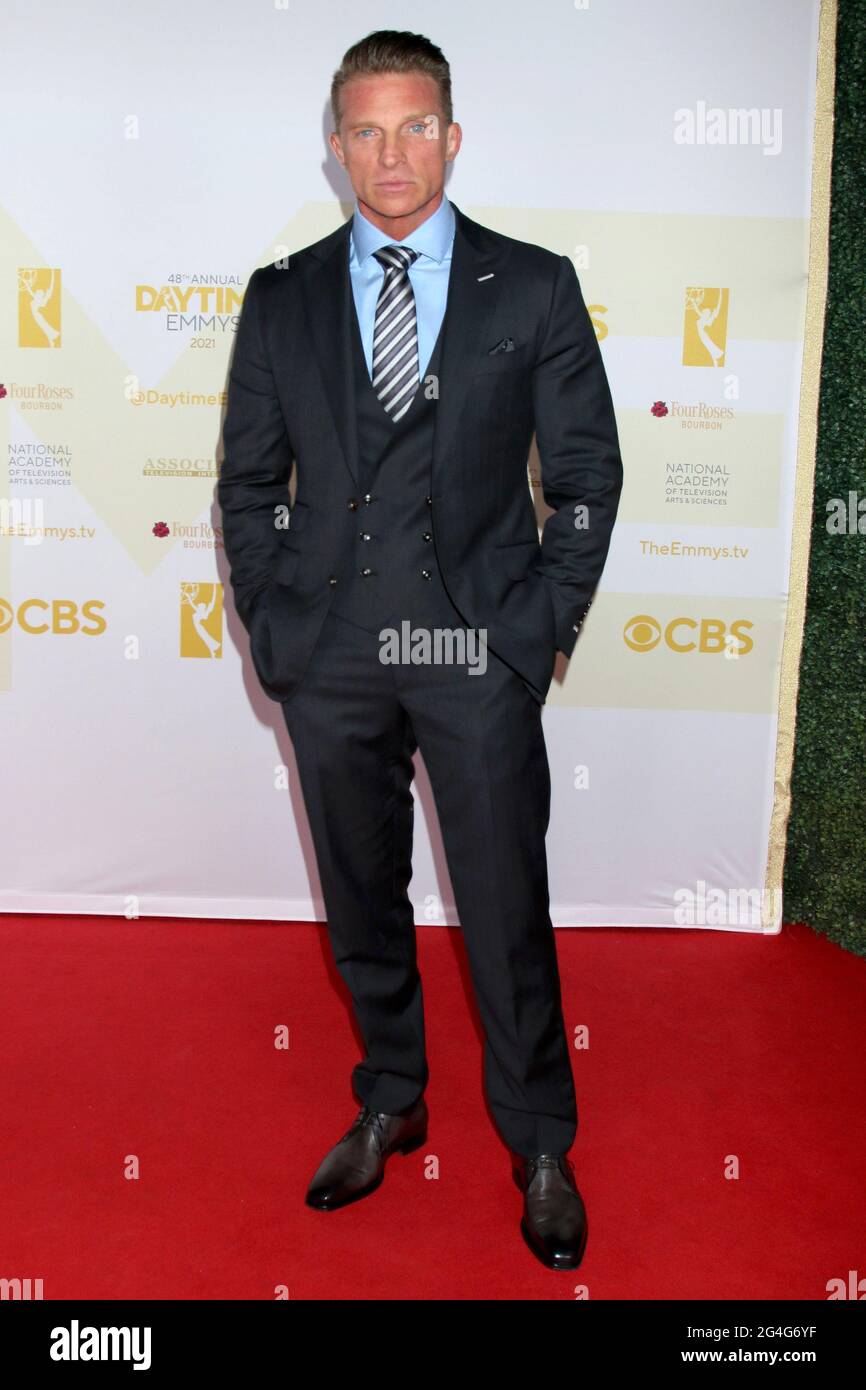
[401, 204]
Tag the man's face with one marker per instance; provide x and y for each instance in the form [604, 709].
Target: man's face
[394, 145]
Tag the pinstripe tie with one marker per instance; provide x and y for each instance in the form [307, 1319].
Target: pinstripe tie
[395, 333]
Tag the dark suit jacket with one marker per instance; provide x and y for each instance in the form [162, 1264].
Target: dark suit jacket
[291, 396]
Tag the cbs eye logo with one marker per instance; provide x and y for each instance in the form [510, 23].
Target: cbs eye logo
[643, 633]
[59, 616]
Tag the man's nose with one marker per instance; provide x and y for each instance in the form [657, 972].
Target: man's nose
[392, 152]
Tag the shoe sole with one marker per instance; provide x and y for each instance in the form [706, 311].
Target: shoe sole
[408, 1147]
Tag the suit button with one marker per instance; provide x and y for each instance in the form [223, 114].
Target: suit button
[332, 579]
[365, 536]
[368, 498]
[429, 501]
[427, 536]
[366, 572]
[352, 504]
[427, 574]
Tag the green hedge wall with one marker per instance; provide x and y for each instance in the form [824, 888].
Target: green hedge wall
[825, 863]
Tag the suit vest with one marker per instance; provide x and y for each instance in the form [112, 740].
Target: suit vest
[392, 572]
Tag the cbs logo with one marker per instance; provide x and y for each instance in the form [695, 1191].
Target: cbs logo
[59, 616]
[643, 633]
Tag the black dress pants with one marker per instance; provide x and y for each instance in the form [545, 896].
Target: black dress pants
[355, 723]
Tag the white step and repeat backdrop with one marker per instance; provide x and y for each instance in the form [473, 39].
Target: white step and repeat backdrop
[152, 158]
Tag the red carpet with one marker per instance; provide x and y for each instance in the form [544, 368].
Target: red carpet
[156, 1039]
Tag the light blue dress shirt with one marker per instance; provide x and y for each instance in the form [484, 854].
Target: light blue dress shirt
[428, 275]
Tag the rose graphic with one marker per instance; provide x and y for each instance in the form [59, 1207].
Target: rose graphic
[659, 409]
[160, 529]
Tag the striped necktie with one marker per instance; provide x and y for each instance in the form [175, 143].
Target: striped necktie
[395, 333]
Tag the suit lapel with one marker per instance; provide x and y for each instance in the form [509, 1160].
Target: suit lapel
[465, 329]
[464, 335]
[328, 296]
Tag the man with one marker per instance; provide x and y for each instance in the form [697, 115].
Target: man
[403, 363]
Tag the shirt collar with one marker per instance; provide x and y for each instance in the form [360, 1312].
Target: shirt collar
[431, 238]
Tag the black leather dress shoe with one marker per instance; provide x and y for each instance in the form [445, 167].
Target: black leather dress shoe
[355, 1165]
[554, 1222]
